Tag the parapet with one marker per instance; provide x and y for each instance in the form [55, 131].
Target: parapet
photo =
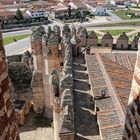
[66, 91]
[123, 36]
[83, 33]
[37, 33]
[107, 36]
[92, 34]
[66, 28]
[67, 125]
[53, 40]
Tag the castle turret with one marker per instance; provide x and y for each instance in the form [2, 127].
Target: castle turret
[55, 54]
[36, 46]
[122, 41]
[37, 80]
[107, 40]
[132, 123]
[53, 57]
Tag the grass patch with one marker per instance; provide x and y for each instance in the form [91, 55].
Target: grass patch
[8, 40]
[123, 14]
[117, 32]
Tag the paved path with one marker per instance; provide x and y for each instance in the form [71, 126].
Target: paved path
[29, 131]
[38, 134]
[86, 127]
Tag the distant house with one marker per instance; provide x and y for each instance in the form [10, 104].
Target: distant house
[36, 13]
[6, 14]
[60, 11]
[99, 11]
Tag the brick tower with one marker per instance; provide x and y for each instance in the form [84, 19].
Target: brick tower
[55, 54]
[8, 128]
[37, 81]
[132, 123]
[53, 57]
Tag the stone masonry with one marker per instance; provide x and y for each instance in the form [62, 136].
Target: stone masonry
[53, 82]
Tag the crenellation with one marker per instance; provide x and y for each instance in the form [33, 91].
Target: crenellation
[122, 41]
[83, 35]
[92, 39]
[107, 40]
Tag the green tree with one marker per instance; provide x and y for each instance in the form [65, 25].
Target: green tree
[69, 11]
[19, 15]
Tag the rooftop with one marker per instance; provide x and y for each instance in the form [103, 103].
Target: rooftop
[111, 77]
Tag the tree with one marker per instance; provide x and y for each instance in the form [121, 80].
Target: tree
[69, 11]
[19, 15]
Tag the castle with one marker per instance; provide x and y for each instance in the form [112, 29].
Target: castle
[83, 85]
[55, 55]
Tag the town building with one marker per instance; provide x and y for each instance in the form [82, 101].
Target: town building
[36, 13]
[100, 11]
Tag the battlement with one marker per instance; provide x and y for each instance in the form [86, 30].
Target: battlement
[66, 92]
[53, 59]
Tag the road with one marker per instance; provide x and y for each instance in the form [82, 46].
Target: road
[113, 17]
[18, 47]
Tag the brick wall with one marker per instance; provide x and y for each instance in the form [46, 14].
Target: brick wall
[132, 123]
[8, 128]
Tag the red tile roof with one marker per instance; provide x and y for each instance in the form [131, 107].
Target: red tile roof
[121, 79]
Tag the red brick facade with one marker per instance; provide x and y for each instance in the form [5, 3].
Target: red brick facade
[8, 128]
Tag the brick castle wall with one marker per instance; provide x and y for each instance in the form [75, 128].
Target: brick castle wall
[8, 128]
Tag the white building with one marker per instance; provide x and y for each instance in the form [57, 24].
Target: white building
[36, 13]
[99, 11]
